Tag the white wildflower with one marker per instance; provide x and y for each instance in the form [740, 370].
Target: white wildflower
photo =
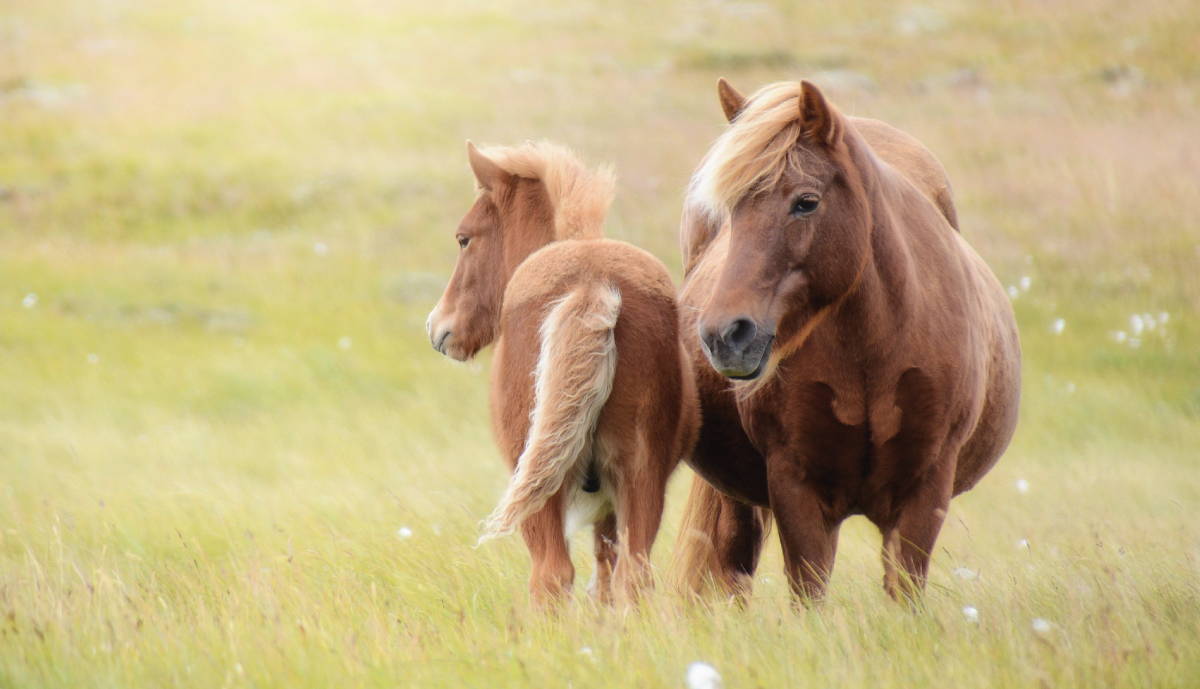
[1058, 326]
[1012, 291]
[701, 675]
[404, 533]
[320, 248]
[971, 614]
[965, 573]
[29, 301]
[1022, 486]
[1042, 626]
[1120, 336]
[1136, 324]
[1025, 283]
[586, 651]
[1023, 544]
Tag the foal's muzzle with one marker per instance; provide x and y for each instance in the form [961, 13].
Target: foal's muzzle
[737, 348]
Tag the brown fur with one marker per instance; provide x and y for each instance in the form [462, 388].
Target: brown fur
[589, 377]
[881, 354]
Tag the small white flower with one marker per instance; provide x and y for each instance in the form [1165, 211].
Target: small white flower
[1042, 626]
[404, 533]
[344, 342]
[971, 614]
[93, 358]
[1022, 486]
[1120, 336]
[701, 675]
[1136, 324]
[1023, 544]
[586, 651]
[1026, 282]
[965, 574]
[320, 248]
[29, 301]
[1012, 291]
[1058, 326]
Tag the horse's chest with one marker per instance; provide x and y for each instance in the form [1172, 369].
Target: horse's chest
[861, 454]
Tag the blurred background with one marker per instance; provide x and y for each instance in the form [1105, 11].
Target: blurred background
[228, 454]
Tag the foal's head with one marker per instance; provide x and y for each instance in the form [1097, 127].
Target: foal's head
[529, 196]
[786, 175]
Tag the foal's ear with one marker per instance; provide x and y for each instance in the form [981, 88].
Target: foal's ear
[487, 172]
[732, 102]
[819, 122]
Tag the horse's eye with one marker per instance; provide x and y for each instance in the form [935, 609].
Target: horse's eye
[805, 204]
[463, 241]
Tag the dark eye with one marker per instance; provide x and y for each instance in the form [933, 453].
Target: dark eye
[463, 241]
[805, 204]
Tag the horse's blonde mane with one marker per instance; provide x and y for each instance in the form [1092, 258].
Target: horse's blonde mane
[752, 154]
[580, 197]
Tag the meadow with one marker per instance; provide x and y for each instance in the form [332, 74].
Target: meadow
[229, 457]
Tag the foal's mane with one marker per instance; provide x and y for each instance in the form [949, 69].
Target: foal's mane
[580, 197]
[752, 154]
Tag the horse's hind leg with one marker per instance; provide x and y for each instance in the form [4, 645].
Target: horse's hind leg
[553, 573]
[605, 535]
[719, 542]
[639, 512]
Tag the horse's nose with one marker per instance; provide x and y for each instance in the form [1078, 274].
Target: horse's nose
[735, 336]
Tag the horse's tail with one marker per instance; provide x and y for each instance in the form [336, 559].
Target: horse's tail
[697, 565]
[573, 380]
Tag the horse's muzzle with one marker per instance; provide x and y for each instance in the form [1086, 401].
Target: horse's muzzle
[738, 348]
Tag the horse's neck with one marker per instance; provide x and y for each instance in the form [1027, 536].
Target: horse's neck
[885, 298]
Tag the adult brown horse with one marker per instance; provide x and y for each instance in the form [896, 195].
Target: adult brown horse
[864, 359]
[593, 402]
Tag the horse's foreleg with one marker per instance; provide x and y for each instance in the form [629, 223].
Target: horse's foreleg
[808, 536]
[908, 543]
[605, 538]
[553, 574]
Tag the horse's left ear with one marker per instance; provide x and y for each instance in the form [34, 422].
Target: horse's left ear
[818, 120]
[487, 172]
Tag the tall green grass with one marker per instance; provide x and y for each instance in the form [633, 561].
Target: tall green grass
[228, 457]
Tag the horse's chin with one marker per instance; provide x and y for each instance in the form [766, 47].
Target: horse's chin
[745, 373]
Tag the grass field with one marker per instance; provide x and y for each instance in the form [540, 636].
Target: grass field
[228, 456]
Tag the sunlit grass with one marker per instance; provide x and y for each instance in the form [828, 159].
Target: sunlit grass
[228, 457]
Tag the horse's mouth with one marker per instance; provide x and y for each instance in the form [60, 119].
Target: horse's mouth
[745, 365]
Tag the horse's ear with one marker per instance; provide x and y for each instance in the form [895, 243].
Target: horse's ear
[487, 172]
[732, 102]
[818, 120]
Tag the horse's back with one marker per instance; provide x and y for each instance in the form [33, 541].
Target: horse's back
[912, 159]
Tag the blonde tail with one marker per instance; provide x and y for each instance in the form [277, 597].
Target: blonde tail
[573, 380]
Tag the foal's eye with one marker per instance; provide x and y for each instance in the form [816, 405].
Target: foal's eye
[463, 241]
[805, 204]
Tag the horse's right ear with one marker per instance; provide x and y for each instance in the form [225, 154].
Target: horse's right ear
[732, 102]
[487, 172]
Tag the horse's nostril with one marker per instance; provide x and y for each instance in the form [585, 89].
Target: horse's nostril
[740, 333]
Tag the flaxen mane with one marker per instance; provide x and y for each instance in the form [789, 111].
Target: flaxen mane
[580, 197]
[752, 154]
